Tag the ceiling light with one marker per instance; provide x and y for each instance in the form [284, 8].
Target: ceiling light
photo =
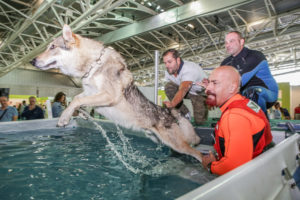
[257, 22]
[191, 26]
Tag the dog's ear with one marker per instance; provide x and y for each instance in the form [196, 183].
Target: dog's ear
[67, 34]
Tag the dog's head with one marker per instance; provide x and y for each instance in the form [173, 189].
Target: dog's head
[65, 53]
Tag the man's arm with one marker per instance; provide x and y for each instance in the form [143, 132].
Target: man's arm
[184, 87]
[15, 117]
[256, 62]
[41, 114]
[24, 114]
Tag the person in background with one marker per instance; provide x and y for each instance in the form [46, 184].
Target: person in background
[257, 82]
[243, 131]
[180, 76]
[32, 111]
[297, 113]
[277, 112]
[58, 104]
[7, 113]
[284, 113]
[21, 108]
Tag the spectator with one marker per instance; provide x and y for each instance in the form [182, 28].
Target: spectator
[277, 111]
[7, 113]
[180, 76]
[21, 108]
[243, 130]
[58, 104]
[257, 82]
[285, 113]
[297, 113]
[32, 111]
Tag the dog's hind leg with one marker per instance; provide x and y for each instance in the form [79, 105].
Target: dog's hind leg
[152, 136]
[174, 138]
[185, 148]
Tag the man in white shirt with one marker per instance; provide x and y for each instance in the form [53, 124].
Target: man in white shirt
[180, 76]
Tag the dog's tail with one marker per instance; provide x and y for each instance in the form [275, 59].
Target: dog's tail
[186, 128]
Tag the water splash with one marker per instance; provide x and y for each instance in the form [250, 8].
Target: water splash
[128, 156]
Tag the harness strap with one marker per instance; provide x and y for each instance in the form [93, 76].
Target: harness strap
[3, 113]
[93, 69]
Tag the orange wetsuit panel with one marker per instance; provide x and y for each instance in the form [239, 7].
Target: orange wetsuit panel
[236, 126]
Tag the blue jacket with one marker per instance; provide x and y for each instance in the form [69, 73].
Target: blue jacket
[253, 68]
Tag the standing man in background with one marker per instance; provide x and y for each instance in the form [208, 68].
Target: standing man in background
[32, 111]
[257, 82]
[7, 113]
[21, 108]
[180, 76]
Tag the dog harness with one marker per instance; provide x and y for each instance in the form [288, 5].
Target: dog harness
[94, 68]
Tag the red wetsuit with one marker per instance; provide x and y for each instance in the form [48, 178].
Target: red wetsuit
[241, 134]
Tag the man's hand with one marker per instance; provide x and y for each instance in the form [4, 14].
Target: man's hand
[204, 83]
[208, 159]
[168, 104]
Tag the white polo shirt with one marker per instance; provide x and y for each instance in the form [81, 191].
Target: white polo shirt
[190, 71]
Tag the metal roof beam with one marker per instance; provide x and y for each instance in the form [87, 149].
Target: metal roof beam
[143, 48]
[170, 17]
[44, 6]
[188, 44]
[16, 10]
[151, 43]
[80, 22]
[158, 40]
[209, 34]
[135, 60]
[177, 2]
[140, 8]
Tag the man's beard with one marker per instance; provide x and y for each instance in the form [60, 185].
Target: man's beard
[171, 72]
[211, 99]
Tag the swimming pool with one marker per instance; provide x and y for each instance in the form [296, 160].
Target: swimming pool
[45, 162]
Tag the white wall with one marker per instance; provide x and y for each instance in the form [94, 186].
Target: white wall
[148, 92]
[295, 99]
[39, 83]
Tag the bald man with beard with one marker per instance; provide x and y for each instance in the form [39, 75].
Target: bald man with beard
[243, 130]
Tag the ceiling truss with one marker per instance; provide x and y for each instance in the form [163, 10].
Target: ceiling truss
[27, 27]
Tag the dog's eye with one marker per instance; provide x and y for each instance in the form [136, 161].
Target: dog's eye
[52, 46]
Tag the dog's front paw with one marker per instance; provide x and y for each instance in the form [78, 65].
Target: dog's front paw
[63, 121]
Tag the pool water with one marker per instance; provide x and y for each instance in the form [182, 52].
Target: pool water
[77, 163]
